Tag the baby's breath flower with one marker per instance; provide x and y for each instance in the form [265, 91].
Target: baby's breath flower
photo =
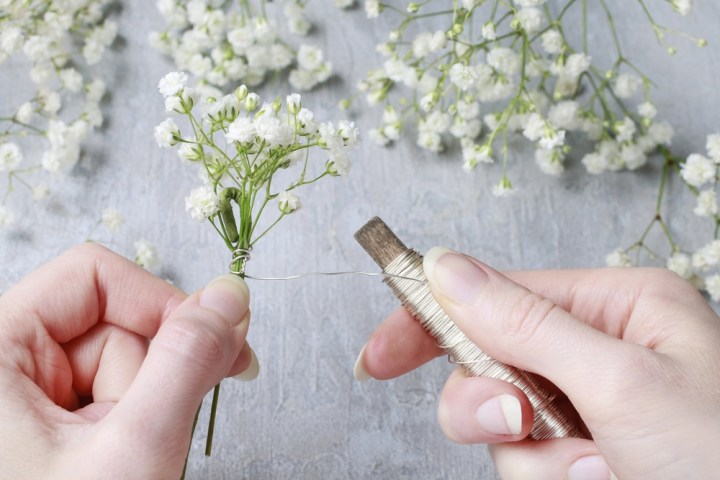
[10, 156]
[618, 258]
[681, 264]
[202, 203]
[706, 204]
[288, 202]
[7, 217]
[697, 170]
[167, 133]
[146, 254]
[172, 83]
[112, 219]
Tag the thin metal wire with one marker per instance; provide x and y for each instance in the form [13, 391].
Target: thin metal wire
[549, 421]
[332, 274]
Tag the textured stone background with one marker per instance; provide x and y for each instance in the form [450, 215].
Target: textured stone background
[305, 417]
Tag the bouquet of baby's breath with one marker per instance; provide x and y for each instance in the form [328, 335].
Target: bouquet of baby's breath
[59, 40]
[244, 148]
[222, 42]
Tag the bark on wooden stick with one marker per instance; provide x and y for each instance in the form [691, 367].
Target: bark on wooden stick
[380, 242]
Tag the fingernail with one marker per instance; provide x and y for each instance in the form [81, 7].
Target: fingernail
[252, 371]
[359, 371]
[227, 295]
[592, 467]
[454, 275]
[501, 415]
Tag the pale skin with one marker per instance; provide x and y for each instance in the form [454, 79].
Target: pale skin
[85, 394]
[636, 351]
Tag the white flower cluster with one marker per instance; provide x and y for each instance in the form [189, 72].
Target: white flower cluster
[224, 42]
[240, 144]
[516, 74]
[59, 39]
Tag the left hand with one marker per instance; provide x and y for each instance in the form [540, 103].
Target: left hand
[84, 394]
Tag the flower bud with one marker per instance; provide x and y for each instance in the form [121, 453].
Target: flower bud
[251, 101]
[413, 7]
[293, 103]
[241, 93]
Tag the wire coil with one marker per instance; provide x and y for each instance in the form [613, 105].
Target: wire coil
[549, 421]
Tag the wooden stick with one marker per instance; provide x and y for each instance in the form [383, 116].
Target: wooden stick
[380, 242]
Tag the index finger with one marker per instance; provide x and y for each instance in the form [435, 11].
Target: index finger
[602, 298]
[86, 285]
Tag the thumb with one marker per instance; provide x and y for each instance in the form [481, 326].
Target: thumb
[193, 350]
[516, 326]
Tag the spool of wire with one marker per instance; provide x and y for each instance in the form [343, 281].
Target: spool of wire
[406, 278]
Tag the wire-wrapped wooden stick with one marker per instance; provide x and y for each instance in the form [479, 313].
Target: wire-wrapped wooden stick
[398, 261]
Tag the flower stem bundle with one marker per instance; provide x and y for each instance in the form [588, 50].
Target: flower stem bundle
[244, 148]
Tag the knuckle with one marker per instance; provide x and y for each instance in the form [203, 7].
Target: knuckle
[527, 316]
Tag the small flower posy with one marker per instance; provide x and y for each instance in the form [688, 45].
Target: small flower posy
[232, 42]
[507, 67]
[240, 145]
[58, 38]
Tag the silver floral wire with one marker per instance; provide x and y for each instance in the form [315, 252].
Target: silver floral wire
[549, 421]
[243, 255]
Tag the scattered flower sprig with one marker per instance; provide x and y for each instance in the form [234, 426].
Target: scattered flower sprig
[701, 176]
[60, 40]
[244, 148]
[495, 68]
[224, 43]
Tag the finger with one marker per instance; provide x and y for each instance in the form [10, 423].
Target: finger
[397, 346]
[82, 287]
[571, 458]
[246, 366]
[519, 327]
[193, 350]
[483, 410]
[105, 361]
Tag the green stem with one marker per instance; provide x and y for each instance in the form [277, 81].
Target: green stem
[211, 425]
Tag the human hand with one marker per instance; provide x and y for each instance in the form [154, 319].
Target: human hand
[636, 351]
[84, 394]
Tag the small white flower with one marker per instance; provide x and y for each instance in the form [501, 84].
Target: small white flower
[146, 254]
[241, 130]
[294, 103]
[618, 258]
[697, 170]
[166, 133]
[681, 264]
[647, 110]
[338, 164]
[25, 112]
[503, 189]
[71, 79]
[463, 76]
[112, 219]
[504, 60]
[552, 41]
[531, 20]
[626, 85]
[10, 157]
[172, 83]
[488, 31]
[372, 8]
[706, 204]
[713, 147]
[202, 203]
[7, 217]
[288, 202]
[683, 7]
